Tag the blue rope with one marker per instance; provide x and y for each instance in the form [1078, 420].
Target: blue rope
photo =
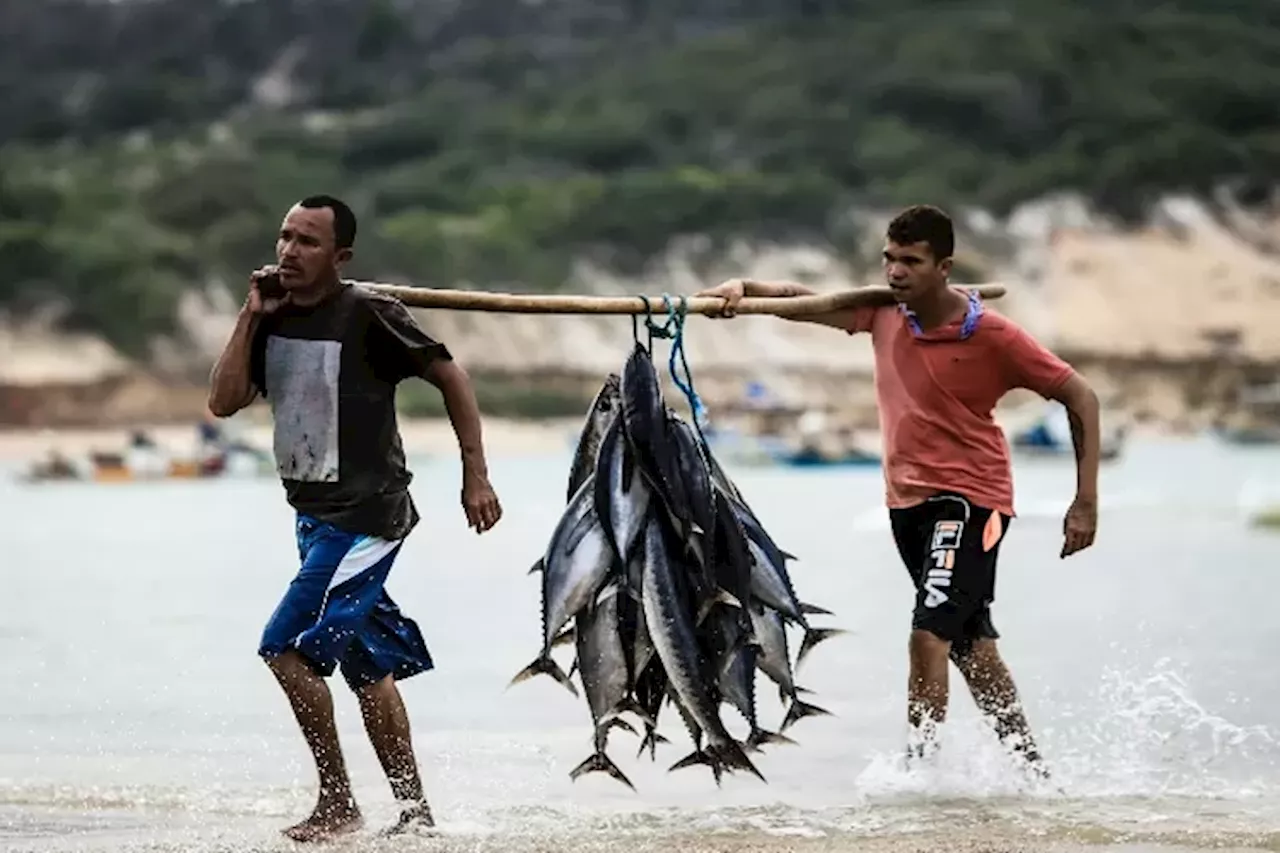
[673, 330]
[676, 318]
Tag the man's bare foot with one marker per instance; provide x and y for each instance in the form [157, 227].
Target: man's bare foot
[329, 820]
[414, 818]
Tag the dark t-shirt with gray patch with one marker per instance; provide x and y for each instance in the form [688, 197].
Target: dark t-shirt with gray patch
[330, 372]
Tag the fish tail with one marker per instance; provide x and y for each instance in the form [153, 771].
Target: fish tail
[544, 665]
[798, 711]
[760, 737]
[651, 740]
[700, 756]
[598, 762]
[732, 755]
[812, 637]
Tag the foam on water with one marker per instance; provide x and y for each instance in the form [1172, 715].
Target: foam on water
[1145, 754]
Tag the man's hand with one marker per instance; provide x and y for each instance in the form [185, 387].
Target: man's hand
[256, 302]
[731, 292]
[1079, 526]
[479, 501]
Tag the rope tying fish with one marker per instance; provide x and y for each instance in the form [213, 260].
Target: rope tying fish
[673, 329]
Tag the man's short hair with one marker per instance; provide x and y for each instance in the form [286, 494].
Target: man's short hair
[344, 221]
[924, 223]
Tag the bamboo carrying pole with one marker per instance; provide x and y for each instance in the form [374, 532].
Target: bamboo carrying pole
[528, 303]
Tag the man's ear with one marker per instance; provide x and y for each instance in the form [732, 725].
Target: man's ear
[944, 266]
[342, 256]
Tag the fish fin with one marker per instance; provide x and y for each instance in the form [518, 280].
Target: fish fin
[721, 596]
[760, 736]
[732, 755]
[787, 555]
[568, 635]
[718, 758]
[600, 763]
[651, 740]
[611, 720]
[700, 757]
[814, 610]
[795, 618]
[634, 707]
[798, 711]
[608, 589]
[812, 637]
[539, 566]
[544, 665]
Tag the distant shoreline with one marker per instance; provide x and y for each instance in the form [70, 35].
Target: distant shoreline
[502, 436]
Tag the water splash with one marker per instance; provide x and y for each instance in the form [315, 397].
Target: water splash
[1138, 736]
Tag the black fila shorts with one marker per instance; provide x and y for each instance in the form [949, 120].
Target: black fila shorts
[950, 546]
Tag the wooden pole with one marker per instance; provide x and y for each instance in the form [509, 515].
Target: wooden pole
[529, 303]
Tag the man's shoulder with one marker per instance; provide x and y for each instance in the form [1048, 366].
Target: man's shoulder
[375, 300]
[998, 324]
[875, 315]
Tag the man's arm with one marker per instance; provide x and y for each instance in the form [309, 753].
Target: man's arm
[1031, 365]
[479, 501]
[231, 385]
[1081, 403]
[463, 410]
[844, 318]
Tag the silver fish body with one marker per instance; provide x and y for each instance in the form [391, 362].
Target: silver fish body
[671, 626]
[770, 586]
[773, 658]
[603, 667]
[622, 493]
[604, 410]
[774, 661]
[695, 475]
[644, 420]
[576, 564]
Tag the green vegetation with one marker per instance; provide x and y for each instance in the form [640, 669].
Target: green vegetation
[493, 141]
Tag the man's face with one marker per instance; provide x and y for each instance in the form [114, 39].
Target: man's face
[912, 271]
[305, 248]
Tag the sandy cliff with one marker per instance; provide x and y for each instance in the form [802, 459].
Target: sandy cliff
[1169, 319]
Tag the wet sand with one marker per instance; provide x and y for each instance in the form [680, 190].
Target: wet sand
[106, 832]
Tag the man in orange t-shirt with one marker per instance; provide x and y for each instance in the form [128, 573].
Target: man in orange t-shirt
[942, 362]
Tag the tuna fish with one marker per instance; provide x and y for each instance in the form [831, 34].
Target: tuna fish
[667, 586]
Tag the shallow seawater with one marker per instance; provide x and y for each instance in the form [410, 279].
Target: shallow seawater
[135, 715]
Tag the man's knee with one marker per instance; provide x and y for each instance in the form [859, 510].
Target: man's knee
[291, 665]
[977, 655]
[371, 693]
[926, 646]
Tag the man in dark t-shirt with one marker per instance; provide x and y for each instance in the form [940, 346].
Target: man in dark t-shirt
[327, 356]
